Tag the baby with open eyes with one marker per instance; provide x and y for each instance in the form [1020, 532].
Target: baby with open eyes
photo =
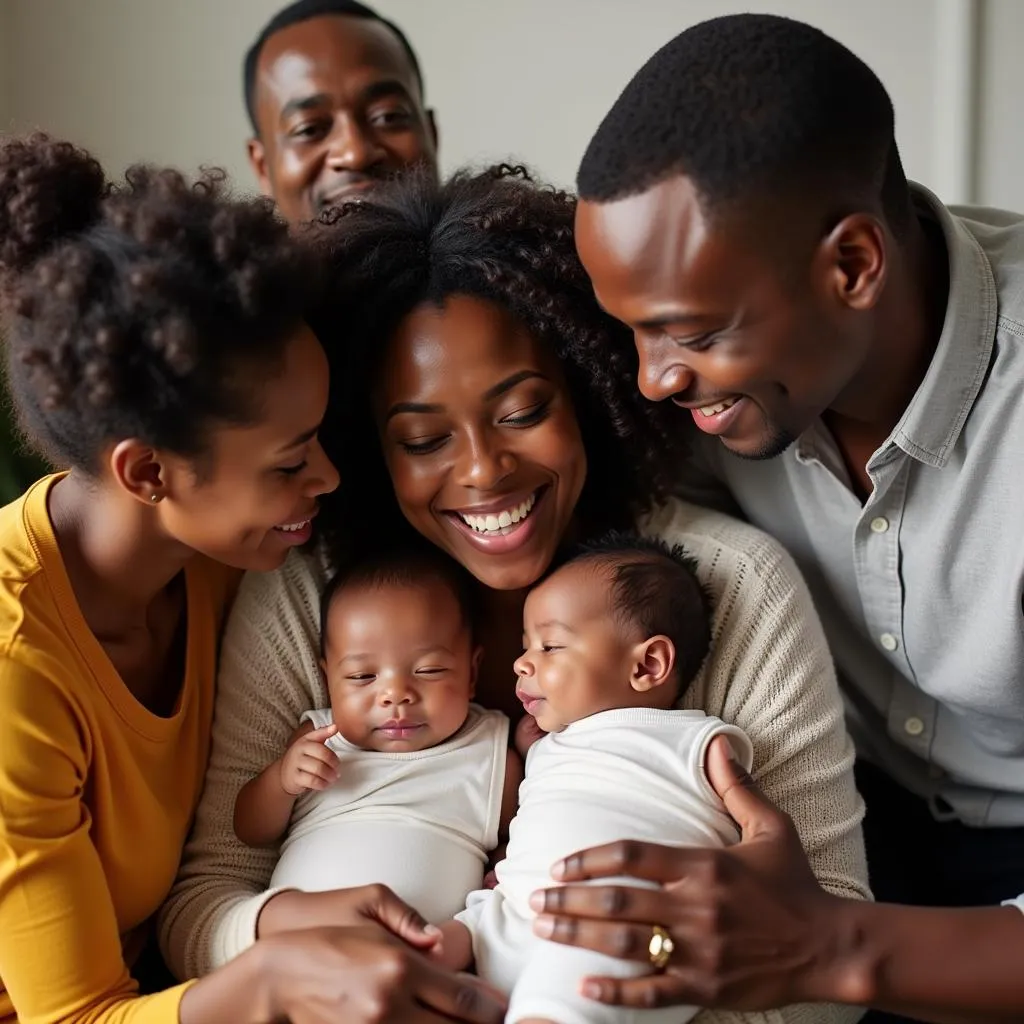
[612, 640]
[403, 780]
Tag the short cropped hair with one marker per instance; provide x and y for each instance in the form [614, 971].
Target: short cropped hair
[750, 107]
[303, 10]
[655, 590]
[406, 565]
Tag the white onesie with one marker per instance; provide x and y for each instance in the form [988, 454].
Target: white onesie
[422, 822]
[634, 773]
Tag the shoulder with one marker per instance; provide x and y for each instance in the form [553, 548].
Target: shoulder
[485, 723]
[271, 599]
[730, 554]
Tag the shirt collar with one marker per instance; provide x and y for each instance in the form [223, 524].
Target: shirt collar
[931, 425]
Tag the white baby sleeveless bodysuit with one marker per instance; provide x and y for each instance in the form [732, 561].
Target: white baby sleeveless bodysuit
[422, 823]
[634, 773]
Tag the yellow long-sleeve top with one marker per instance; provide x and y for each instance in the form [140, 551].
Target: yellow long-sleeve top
[96, 792]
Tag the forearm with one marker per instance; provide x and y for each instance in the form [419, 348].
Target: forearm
[946, 966]
[263, 808]
[237, 992]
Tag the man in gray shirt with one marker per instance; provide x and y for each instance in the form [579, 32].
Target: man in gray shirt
[848, 355]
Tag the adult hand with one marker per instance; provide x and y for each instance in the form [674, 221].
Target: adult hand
[750, 923]
[364, 976]
[358, 906]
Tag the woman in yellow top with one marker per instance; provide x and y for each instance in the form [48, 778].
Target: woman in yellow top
[156, 346]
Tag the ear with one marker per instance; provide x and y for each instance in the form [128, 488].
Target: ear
[653, 663]
[258, 162]
[474, 669]
[139, 471]
[853, 256]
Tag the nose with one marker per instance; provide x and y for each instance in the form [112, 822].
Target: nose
[396, 692]
[322, 477]
[523, 667]
[483, 463]
[661, 374]
[351, 147]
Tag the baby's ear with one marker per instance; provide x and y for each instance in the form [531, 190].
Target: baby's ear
[653, 663]
[474, 669]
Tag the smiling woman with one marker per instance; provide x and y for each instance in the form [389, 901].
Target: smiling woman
[462, 330]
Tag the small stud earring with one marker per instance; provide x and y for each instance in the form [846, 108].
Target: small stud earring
[154, 498]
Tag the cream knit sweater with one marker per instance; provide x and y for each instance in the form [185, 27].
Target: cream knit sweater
[769, 672]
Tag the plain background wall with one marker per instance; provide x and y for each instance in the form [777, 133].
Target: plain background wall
[159, 80]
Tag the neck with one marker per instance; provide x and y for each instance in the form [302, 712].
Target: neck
[117, 558]
[908, 323]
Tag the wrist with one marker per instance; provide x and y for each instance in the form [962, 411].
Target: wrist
[283, 912]
[846, 953]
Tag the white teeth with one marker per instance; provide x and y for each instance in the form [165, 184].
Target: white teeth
[503, 521]
[714, 410]
[294, 527]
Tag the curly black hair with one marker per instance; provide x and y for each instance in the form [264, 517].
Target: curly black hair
[752, 106]
[501, 237]
[141, 309]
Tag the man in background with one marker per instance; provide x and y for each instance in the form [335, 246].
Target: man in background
[335, 96]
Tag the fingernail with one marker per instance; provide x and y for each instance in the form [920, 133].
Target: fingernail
[433, 931]
[544, 926]
[537, 900]
[591, 990]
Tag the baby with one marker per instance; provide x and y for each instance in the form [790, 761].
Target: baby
[402, 780]
[612, 639]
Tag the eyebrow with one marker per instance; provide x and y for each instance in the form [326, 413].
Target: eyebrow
[427, 649]
[667, 319]
[306, 435]
[555, 622]
[303, 103]
[499, 389]
[374, 91]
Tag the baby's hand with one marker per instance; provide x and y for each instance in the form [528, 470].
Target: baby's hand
[307, 764]
[527, 733]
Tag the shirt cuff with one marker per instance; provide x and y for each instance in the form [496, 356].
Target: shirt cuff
[1018, 903]
[236, 930]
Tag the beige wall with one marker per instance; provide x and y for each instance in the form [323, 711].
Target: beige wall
[5, 94]
[160, 79]
[1001, 124]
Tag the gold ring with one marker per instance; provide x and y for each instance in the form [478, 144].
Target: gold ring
[660, 948]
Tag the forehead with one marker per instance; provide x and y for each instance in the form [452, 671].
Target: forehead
[395, 614]
[577, 594]
[289, 400]
[332, 54]
[650, 253]
[459, 349]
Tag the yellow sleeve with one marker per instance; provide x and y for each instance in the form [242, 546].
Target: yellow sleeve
[60, 952]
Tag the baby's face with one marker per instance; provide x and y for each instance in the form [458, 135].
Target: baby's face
[578, 656]
[400, 665]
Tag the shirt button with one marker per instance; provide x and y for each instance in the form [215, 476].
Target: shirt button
[888, 641]
[913, 726]
[879, 524]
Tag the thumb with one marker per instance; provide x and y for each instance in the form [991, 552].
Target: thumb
[403, 921]
[322, 734]
[755, 814]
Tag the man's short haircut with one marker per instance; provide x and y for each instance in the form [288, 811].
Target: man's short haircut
[303, 10]
[655, 590]
[751, 107]
[405, 565]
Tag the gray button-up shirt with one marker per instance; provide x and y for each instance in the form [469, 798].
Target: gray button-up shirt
[920, 589]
